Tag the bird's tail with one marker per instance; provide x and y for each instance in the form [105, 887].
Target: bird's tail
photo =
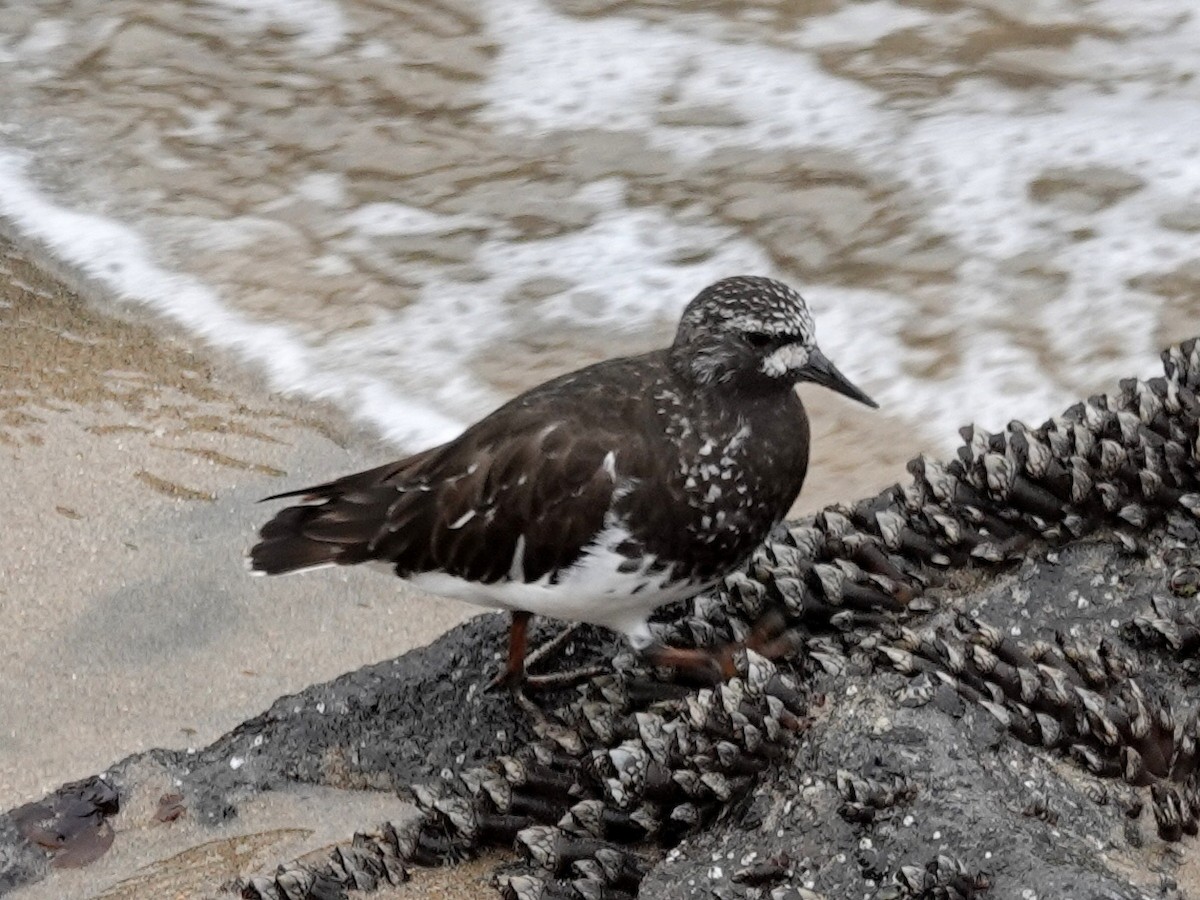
[336, 527]
[284, 547]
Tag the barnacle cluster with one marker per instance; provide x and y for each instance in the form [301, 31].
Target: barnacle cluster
[633, 762]
[615, 769]
[1072, 697]
[942, 878]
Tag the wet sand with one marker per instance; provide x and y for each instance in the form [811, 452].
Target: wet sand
[132, 464]
[135, 457]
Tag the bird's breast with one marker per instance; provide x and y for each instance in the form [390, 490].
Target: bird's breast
[720, 483]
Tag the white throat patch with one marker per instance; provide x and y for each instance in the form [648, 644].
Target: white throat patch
[786, 359]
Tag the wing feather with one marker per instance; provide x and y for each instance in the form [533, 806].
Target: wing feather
[532, 482]
[460, 509]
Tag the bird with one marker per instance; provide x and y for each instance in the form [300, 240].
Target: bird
[600, 495]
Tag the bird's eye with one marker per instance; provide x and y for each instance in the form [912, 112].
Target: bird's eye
[759, 339]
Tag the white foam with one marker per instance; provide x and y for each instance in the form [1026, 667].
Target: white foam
[328, 188]
[117, 257]
[556, 71]
[320, 24]
[861, 23]
[625, 269]
[979, 191]
[377, 219]
[45, 35]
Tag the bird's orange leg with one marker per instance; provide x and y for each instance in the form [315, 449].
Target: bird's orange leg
[514, 675]
[768, 639]
[514, 670]
[518, 642]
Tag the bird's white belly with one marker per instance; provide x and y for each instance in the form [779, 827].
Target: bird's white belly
[594, 590]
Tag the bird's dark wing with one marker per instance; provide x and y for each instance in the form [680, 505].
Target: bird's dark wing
[520, 500]
[359, 480]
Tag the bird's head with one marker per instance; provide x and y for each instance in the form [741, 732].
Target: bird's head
[756, 332]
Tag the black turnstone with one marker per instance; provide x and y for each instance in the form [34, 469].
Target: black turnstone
[602, 494]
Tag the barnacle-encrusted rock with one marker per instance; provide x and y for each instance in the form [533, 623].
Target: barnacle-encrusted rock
[983, 680]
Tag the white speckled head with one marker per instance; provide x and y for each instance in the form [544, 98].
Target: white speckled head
[755, 331]
[747, 304]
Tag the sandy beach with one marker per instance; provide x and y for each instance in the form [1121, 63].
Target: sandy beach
[137, 457]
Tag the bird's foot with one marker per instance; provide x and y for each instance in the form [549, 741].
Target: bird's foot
[770, 638]
[552, 646]
[515, 676]
[506, 679]
[553, 681]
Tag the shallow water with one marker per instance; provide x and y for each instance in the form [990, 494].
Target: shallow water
[415, 209]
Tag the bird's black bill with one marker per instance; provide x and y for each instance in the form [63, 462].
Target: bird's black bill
[819, 370]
